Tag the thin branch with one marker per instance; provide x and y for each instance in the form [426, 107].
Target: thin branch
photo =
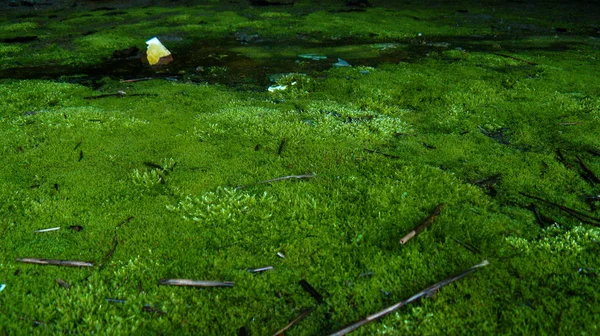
[575, 213]
[261, 269]
[562, 159]
[589, 173]
[296, 320]
[110, 252]
[311, 290]
[426, 292]
[47, 230]
[424, 224]
[63, 283]
[384, 154]
[195, 283]
[280, 179]
[71, 263]
[515, 58]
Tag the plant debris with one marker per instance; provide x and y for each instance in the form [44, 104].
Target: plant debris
[310, 289]
[296, 320]
[384, 154]
[429, 291]
[575, 213]
[150, 309]
[195, 283]
[280, 179]
[434, 214]
[63, 283]
[588, 173]
[110, 252]
[47, 230]
[260, 270]
[70, 263]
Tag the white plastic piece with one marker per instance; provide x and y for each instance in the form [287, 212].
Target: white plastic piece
[274, 88]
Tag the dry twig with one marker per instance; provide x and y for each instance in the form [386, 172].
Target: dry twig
[424, 224]
[280, 179]
[195, 283]
[71, 263]
[426, 292]
[575, 213]
[296, 320]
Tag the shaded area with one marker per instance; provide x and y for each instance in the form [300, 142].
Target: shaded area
[215, 61]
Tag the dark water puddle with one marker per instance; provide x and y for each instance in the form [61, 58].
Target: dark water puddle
[223, 61]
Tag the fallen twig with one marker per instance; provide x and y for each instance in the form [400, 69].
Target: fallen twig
[426, 292]
[384, 154]
[110, 252]
[424, 224]
[562, 159]
[280, 179]
[542, 220]
[310, 289]
[589, 174]
[261, 269]
[63, 283]
[468, 246]
[47, 230]
[195, 283]
[515, 58]
[71, 263]
[575, 213]
[281, 146]
[121, 94]
[115, 300]
[296, 320]
[125, 221]
[150, 309]
[133, 80]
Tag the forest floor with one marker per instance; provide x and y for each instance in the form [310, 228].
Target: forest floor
[196, 170]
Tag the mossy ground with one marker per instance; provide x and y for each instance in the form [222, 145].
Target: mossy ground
[450, 117]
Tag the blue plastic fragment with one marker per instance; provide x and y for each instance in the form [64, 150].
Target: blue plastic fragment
[341, 63]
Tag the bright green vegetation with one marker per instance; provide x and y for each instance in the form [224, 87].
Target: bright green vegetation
[450, 117]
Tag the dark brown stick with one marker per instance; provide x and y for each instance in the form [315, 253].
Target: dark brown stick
[281, 146]
[280, 179]
[195, 283]
[575, 213]
[63, 283]
[150, 309]
[384, 154]
[424, 224]
[515, 58]
[562, 159]
[589, 173]
[311, 290]
[126, 221]
[133, 80]
[296, 320]
[426, 292]
[468, 246]
[71, 263]
[110, 252]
